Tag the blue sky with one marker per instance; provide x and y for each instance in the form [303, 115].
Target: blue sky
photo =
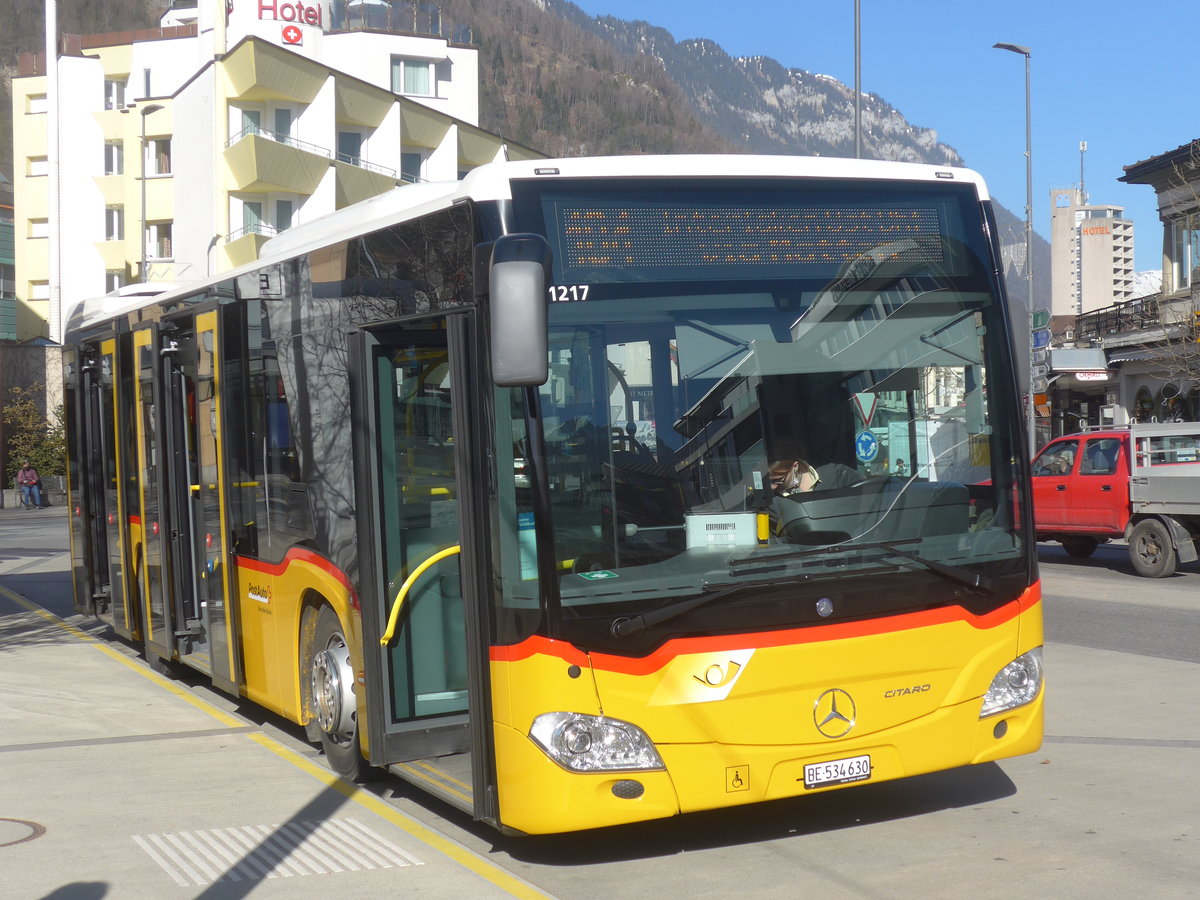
[1104, 72]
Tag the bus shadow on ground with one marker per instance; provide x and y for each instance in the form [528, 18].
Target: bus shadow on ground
[793, 817]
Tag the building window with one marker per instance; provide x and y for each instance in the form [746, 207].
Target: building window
[252, 213]
[114, 223]
[283, 215]
[37, 165]
[39, 228]
[349, 147]
[1185, 252]
[35, 103]
[114, 158]
[283, 123]
[158, 240]
[250, 122]
[158, 156]
[39, 290]
[414, 77]
[114, 279]
[410, 166]
[114, 94]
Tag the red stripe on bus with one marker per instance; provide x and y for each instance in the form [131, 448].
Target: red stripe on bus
[538, 645]
[301, 554]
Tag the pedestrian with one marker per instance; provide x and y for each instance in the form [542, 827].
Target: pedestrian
[31, 486]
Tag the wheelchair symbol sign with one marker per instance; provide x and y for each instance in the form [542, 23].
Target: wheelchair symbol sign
[866, 446]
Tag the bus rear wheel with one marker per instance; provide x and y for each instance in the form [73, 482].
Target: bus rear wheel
[335, 711]
[1151, 550]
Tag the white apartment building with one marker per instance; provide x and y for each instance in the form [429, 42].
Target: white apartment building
[1091, 254]
[183, 148]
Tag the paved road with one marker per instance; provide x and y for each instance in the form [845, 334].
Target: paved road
[99, 753]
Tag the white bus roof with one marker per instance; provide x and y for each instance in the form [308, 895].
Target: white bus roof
[493, 182]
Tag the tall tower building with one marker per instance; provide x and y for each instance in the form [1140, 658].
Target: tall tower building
[1091, 254]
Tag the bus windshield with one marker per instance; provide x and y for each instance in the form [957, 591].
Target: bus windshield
[769, 394]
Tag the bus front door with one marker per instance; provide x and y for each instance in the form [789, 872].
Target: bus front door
[427, 702]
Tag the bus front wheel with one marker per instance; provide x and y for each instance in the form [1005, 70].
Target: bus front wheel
[1151, 550]
[335, 711]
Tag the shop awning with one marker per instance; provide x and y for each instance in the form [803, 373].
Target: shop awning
[1089, 360]
[1135, 354]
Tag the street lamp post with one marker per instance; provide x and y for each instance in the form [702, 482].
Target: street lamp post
[144, 111]
[1025, 52]
[857, 79]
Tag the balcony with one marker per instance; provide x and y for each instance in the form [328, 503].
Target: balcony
[262, 72]
[244, 245]
[397, 17]
[1134, 316]
[261, 161]
[358, 180]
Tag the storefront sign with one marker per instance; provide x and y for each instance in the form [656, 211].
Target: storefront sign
[1091, 376]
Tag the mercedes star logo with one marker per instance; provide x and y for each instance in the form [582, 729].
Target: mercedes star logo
[834, 713]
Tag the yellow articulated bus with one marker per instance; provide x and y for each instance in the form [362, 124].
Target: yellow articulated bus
[584, 492]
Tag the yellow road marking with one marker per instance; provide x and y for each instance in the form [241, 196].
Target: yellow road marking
[134, 664]
[497, 875]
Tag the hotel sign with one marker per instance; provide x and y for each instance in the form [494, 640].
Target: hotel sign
[300, 13]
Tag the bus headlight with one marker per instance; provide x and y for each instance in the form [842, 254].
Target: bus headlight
[1015, 685]
[584, 743]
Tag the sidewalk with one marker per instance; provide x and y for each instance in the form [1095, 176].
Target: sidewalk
[117, 783]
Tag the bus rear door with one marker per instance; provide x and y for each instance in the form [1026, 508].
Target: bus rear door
[427, 700]
[88, 559]
[99, 517]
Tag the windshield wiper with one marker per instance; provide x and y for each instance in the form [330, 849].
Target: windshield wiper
[623, 626]
[626, 625]
[959, 574]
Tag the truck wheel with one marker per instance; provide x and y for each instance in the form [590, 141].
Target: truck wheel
[1150, 549]
[1079, 547]
[334, 705]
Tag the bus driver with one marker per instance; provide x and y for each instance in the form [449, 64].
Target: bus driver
[796, 476]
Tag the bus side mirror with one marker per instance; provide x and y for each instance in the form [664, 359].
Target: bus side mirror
[518, 275]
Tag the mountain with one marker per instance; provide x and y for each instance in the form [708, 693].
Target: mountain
[553, 77]
[24, 27]
[570, 84]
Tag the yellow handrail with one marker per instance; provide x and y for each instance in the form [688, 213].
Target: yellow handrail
[398, 603]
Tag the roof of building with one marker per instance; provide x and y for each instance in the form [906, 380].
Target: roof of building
[1139, 172]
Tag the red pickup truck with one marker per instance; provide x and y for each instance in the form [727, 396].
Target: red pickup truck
[1140, 483]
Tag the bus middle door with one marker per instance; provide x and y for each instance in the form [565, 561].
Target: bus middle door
[166, 409]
